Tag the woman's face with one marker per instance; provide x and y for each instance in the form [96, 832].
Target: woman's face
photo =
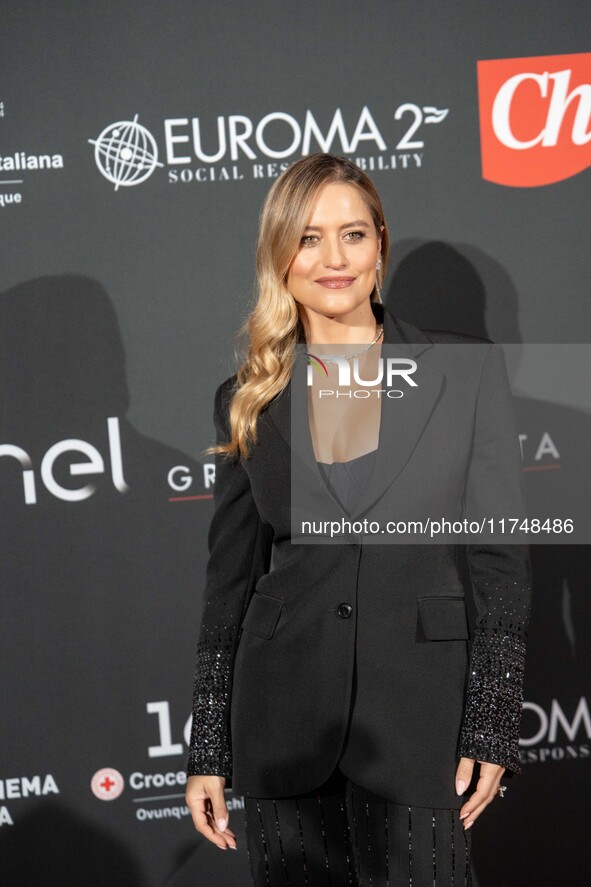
[334, 270]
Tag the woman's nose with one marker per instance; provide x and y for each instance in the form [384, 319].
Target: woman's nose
[334, 255]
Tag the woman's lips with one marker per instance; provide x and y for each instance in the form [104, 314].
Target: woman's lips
[335, 283]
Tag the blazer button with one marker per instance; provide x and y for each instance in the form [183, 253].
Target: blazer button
[344, 610]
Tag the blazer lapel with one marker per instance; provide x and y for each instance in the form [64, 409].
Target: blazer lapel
[402, 420]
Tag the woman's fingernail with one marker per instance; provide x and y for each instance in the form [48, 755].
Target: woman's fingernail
[221, 824]
[460, 787]
[463, 816]
[469, 824]
[231, 846]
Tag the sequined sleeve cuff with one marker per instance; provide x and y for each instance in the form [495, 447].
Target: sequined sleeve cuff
[210, 749]
[492, 715]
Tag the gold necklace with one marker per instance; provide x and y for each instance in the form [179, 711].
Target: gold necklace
[333, 358]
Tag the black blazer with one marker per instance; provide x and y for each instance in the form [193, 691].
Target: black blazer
[359, 653]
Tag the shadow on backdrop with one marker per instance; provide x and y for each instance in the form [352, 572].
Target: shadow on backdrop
[100, 592]
[40, 857]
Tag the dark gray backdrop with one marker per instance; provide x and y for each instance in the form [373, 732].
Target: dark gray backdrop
[121, 301]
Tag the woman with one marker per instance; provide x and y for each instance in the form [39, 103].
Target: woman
[335, 685]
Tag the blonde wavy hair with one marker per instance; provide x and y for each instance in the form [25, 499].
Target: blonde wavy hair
[274, 326]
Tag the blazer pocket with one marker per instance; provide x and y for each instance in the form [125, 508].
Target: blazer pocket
[443, 618]
[262, 615]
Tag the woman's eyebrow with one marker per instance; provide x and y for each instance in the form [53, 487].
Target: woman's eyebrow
[359, 223]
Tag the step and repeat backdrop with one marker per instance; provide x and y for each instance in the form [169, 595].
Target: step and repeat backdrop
[137, 142]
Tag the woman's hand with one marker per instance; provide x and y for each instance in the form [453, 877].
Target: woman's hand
[486, 788]
[205, 799]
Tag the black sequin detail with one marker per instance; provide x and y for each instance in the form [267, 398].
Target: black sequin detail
[492, 715]
[210, 749]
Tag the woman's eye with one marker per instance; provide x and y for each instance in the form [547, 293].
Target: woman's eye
[308, 239]
[355, 235]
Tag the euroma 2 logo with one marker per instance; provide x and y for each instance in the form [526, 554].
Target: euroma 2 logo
[535, 118]
[236, 147]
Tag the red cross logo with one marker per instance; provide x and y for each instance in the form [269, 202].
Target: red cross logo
[107, 784]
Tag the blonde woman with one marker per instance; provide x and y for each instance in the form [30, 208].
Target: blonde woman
[337, 687]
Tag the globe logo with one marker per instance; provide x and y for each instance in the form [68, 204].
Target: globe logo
[126, 153]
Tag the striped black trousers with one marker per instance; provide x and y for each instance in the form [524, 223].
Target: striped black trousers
[341, 835]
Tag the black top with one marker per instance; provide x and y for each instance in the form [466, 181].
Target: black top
[348, 479]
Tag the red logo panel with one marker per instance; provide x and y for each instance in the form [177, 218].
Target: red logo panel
[535, 118]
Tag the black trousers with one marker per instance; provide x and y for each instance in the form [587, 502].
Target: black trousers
[341, 835]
